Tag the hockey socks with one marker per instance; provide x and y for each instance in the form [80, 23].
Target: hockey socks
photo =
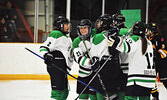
[136, 98]
[59, 94]
[92, 97]
[121, 95]
[87, 96]
[83, 97]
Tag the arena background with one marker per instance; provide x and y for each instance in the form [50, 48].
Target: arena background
[34, 23]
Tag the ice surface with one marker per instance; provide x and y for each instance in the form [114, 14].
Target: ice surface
[40, 90]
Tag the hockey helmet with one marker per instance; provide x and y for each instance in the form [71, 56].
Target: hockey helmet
[139, 29]
[153, 28]
[59, 23]
[105, 23]
[84, 23]
[119, 20]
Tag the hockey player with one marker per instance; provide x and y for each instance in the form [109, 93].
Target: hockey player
[81, 47]
[141, 74]
[57, 52]
[103, 23]
[107, 80]
[119, 21]
[160, 50]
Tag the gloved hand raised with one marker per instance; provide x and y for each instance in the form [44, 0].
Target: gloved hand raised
[112, 36]
[48, 58]
[95, 63]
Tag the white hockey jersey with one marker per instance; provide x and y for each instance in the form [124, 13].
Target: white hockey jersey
[141, 68]
[81, 54]
[60, 42]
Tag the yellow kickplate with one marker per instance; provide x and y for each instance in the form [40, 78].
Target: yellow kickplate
[27, 77]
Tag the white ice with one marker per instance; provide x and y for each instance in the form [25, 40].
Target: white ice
[40, 90]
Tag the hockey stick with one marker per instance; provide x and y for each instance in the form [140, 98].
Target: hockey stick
[64, 71]
[94, 76]
[124, 36]
[101, 82]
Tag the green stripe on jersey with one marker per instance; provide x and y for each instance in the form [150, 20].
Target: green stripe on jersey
[83, 72]
[124, 47]
[43, 50]
[84, 61]
[141, 80]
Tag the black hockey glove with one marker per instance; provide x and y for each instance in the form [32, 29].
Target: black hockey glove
[113, 38]
[48, 58]
[95, 63]
[114, 31]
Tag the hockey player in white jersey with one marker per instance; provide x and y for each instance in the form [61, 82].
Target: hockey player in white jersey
[81, 47]
[141, 74]
[107, 80]
[57, 52]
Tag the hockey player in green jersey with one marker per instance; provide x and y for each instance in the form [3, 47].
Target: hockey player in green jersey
[107, 80]
[141, 74]
[57, 52]
[81, 47]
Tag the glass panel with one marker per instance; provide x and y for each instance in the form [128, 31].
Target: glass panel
[19, 18]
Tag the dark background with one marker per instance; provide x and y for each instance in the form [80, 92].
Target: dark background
[92, 9]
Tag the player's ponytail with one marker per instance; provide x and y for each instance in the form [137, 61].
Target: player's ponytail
[144, 44]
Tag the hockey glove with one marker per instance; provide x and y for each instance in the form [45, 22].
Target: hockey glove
[95, 63]
[48, 58]
[155, 94]
[114, 31]
[113, 36]
[163, 53]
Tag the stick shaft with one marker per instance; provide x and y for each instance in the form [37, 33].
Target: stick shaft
[94, 76]
[64, 71]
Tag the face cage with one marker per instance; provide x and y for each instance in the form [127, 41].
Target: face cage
[96, 25]
[62, 28]
[101, 28]
[118, 23]
[84, 37]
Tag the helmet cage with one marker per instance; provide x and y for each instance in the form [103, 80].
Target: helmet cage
[152, 27]
[119, 20]
[59, 24]
[106, 23]
[84, 23]
[86, 36]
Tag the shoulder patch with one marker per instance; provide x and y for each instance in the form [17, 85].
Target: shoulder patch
[98, 38]
[76, 42]
[123, 31]
[135, 37]
[56, 34]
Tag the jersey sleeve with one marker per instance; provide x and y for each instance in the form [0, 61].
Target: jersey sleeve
[50, 43]
[79, 55]
[129, 45]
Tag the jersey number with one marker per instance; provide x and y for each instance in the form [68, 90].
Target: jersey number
[149, 56]
[48, 44]
[78, 53]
